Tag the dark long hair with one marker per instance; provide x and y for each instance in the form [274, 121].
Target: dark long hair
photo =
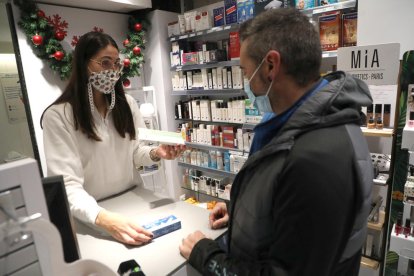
[76, 92]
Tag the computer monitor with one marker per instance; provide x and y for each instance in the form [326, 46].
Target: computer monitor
[59, 214]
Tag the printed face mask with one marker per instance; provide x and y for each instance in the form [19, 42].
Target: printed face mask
[262, 103]
[104, 82]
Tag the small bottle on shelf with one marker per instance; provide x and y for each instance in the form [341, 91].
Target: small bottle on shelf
[387, 115]
[407, 228]
[371, 123]
[378, 123]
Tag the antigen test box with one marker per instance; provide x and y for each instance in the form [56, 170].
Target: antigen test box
[163, 226]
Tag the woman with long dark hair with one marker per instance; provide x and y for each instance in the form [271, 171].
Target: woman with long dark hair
[91, 138]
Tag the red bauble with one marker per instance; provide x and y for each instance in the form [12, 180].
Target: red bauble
[138, 27]
[136, 50]
[127, 62]
[58, 55]
[40, 14]
[59, 35]
[126, 83]
[37, 39]
[126, 42]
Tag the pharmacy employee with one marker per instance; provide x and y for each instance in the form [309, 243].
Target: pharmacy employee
[91, 138]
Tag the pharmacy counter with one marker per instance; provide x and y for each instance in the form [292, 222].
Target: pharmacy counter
[161, 256]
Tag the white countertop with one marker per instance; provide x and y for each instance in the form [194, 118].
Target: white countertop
[161, 256]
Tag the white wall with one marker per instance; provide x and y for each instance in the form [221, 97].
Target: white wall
[43, 86]
[16, 136]
[157, 74]
[386, 22]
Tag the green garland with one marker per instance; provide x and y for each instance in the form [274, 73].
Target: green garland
[45, 44]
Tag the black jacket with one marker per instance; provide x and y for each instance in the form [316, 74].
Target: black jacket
[299, 205]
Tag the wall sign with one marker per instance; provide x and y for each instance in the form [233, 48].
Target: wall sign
[374, 64]
[12, 96]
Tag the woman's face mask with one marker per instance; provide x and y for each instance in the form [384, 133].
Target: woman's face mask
[104, 81]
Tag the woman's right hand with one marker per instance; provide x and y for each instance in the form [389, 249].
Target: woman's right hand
[122, 228]
[219, 216]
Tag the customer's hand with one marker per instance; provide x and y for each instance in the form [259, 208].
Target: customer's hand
[188, 243]
[169, 152]
[219, 216]
[122, 228]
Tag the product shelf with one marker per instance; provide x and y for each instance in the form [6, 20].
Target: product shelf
[386, 132]
[206, 169]
[226, 63]
[403, 246]
[210, 147]
[378, 225]
[213, 122]
[331, 7]
[209, 33]
[209, 92]
[203, 193]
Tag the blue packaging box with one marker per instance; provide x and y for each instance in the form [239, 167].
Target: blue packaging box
[218, 16]
[230, 7]
[163, 226]
[245, 10]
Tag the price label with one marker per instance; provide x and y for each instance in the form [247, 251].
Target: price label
[210, 31]
[227, 27]
[199, 33]
[192, 35]
[330, 8]
[172, 39]
[183, 36]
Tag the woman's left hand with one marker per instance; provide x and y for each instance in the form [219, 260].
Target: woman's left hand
[169, 152]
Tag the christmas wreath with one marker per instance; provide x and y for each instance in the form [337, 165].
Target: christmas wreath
[45, 34]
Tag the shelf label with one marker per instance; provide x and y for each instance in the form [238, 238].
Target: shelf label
[329, 8]
[192, 35]
[172, 39]
[199, 33]
[227, 27]
[210, 31]
[182, 36]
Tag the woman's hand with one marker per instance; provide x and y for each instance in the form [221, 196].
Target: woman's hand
[219, 216]
[169, 152]
[122, 228]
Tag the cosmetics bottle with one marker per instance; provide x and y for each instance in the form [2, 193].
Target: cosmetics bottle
[398, 227]
[407, 228]
[212, 187]
[378, 111]
[387, 115]
[411, 120]
[219, 160]
[378, 123]
[371, 123]
[370, 112]
[208, 181]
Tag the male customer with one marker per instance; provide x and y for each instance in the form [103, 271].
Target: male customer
[300, 203]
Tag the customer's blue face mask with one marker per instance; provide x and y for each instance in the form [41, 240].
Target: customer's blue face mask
[262, 103]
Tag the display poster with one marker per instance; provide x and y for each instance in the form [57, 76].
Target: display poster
[374, 64]
[13, 98]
